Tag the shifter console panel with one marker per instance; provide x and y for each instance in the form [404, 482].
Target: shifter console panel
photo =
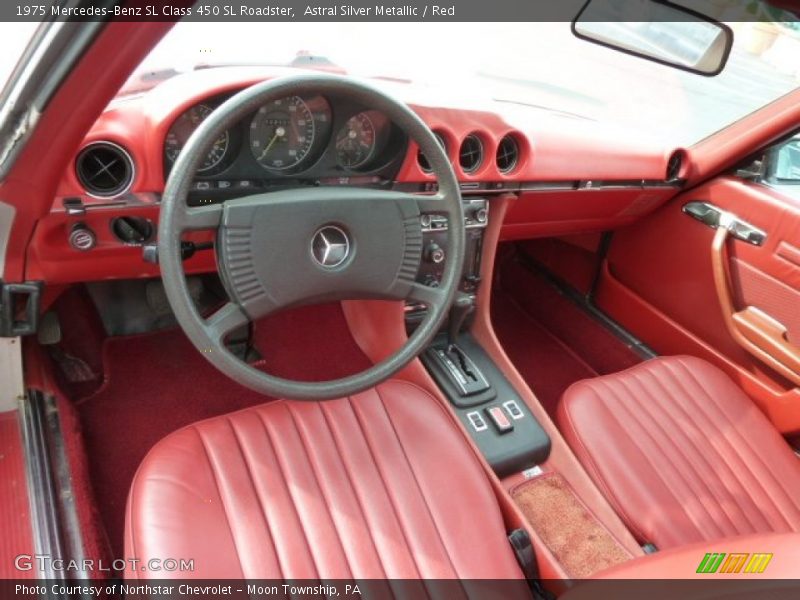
[497, 419]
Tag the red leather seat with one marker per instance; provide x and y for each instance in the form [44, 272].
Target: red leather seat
[379, 485]
[682, 453]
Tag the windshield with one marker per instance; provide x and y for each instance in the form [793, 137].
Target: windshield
[15, 38]
[538, 64]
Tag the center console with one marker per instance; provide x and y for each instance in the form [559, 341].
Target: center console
[496, 417]
[434, 241]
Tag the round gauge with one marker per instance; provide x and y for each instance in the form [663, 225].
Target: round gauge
[282, 133]
[183, 127]
[355, 142]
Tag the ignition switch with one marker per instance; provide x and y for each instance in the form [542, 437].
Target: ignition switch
[434, 253]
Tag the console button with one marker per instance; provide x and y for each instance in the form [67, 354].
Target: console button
[499, 418]
[477, 421]
[513, 409]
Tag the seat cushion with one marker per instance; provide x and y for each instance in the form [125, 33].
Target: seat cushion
[682, 454]
[379, 485]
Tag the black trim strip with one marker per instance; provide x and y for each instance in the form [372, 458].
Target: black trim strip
[580, 185]
[573, 185]
[56, 528]
[41, 489]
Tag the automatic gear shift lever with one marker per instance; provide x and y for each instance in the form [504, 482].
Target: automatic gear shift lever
[462, 307]
[463, 374]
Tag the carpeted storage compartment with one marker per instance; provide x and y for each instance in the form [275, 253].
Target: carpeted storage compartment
[573, 534]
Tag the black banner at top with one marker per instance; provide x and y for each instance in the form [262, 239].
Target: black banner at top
[377, 10]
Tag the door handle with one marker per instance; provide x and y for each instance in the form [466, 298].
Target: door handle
[716, 217]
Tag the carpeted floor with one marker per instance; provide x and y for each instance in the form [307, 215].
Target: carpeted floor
[551, 341]
[15, 518]
[157, 383]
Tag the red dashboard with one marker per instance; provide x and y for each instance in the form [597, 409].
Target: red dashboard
[569, 174]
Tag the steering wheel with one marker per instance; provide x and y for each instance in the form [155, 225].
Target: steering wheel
[308, 245]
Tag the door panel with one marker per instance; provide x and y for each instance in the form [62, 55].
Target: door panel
[660, 282]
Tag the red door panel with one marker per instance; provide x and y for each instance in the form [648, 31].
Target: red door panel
[660, 284]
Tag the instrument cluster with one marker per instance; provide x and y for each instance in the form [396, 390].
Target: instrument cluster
[299, 137]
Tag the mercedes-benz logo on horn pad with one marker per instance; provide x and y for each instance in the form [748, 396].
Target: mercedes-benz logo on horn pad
[330, 246]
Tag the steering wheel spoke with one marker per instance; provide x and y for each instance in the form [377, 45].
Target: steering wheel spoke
[224, 320]
[430, 296]
[201, 217]
[435, 204]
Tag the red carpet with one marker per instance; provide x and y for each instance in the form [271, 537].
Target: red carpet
[551, 340]
[157, 383]
[15, 517]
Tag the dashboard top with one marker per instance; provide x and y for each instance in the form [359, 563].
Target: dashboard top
[330, 141]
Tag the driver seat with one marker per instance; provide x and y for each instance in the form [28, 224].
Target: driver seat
[378, 485]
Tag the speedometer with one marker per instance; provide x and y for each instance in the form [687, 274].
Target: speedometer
[182, 129]
[282, 133]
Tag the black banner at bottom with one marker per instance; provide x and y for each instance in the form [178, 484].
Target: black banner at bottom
[396, 589]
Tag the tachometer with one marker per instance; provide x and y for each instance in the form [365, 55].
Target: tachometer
[355, 142]
[183, 127]
[282, 133]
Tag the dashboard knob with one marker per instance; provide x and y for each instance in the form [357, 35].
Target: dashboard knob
[425, 220]
[481, 215]
[82, 238]
[133, 231]
[434, 253]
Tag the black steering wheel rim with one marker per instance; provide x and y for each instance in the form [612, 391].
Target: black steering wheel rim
[176, 218]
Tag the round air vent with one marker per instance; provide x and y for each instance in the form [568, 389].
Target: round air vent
[507, 155]
[422, 160]
[104, 169]
[674, 166]
[470, 155]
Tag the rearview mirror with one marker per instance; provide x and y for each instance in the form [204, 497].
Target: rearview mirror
[659, 31]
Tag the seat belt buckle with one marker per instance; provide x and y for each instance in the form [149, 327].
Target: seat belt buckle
[526, 557]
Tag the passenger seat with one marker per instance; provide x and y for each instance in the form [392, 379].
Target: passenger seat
[682, 453]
